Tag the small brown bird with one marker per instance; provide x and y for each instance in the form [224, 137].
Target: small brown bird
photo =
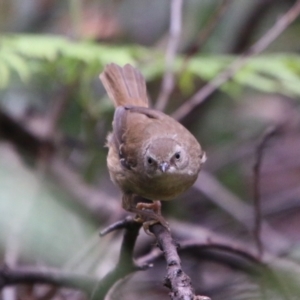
[150, 154]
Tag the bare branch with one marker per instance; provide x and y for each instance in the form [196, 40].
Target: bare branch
[126, 223]
[30, 275]
[241, 61]
[174, 38]
[176, 279]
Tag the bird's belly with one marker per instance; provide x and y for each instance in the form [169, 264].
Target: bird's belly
[164, 187]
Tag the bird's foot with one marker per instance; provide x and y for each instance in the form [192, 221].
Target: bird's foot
[150, 214]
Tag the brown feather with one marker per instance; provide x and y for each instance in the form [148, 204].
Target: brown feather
[124, 86]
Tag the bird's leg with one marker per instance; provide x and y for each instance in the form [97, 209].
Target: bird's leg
[154, 207]
[147, 213]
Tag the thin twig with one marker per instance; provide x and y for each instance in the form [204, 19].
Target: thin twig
[127, 222]
[174, 38]
[241, 61]
[257, 196]
[227, 253]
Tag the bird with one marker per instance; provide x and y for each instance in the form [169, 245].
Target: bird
[151, 156]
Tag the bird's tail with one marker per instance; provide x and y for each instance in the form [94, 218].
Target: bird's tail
[124, 86]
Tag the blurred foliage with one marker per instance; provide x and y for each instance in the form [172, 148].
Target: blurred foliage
[51, 55]
[70, 61]
[37, 207]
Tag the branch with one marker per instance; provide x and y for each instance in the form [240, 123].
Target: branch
[176, 279]
[206, 245]
[29, 275]
[238, 259]
[174, 38]
[240, 211]
[14, 131]
[224, 252]
[230, 71]
[270, 132]
[125, 264]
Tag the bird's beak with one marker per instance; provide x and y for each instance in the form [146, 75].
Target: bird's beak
[164, 166]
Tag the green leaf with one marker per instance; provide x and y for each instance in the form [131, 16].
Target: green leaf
[17, 63]
[271, 74]
[186, 82]
[4, 75]
[69, 61]
[207, 67]
[44, 47]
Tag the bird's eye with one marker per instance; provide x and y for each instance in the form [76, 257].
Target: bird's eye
[177, 155]
[150, 161]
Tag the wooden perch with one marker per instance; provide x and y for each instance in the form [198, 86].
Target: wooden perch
[176, 280]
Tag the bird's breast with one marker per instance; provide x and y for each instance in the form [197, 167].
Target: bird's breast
[164, 187]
